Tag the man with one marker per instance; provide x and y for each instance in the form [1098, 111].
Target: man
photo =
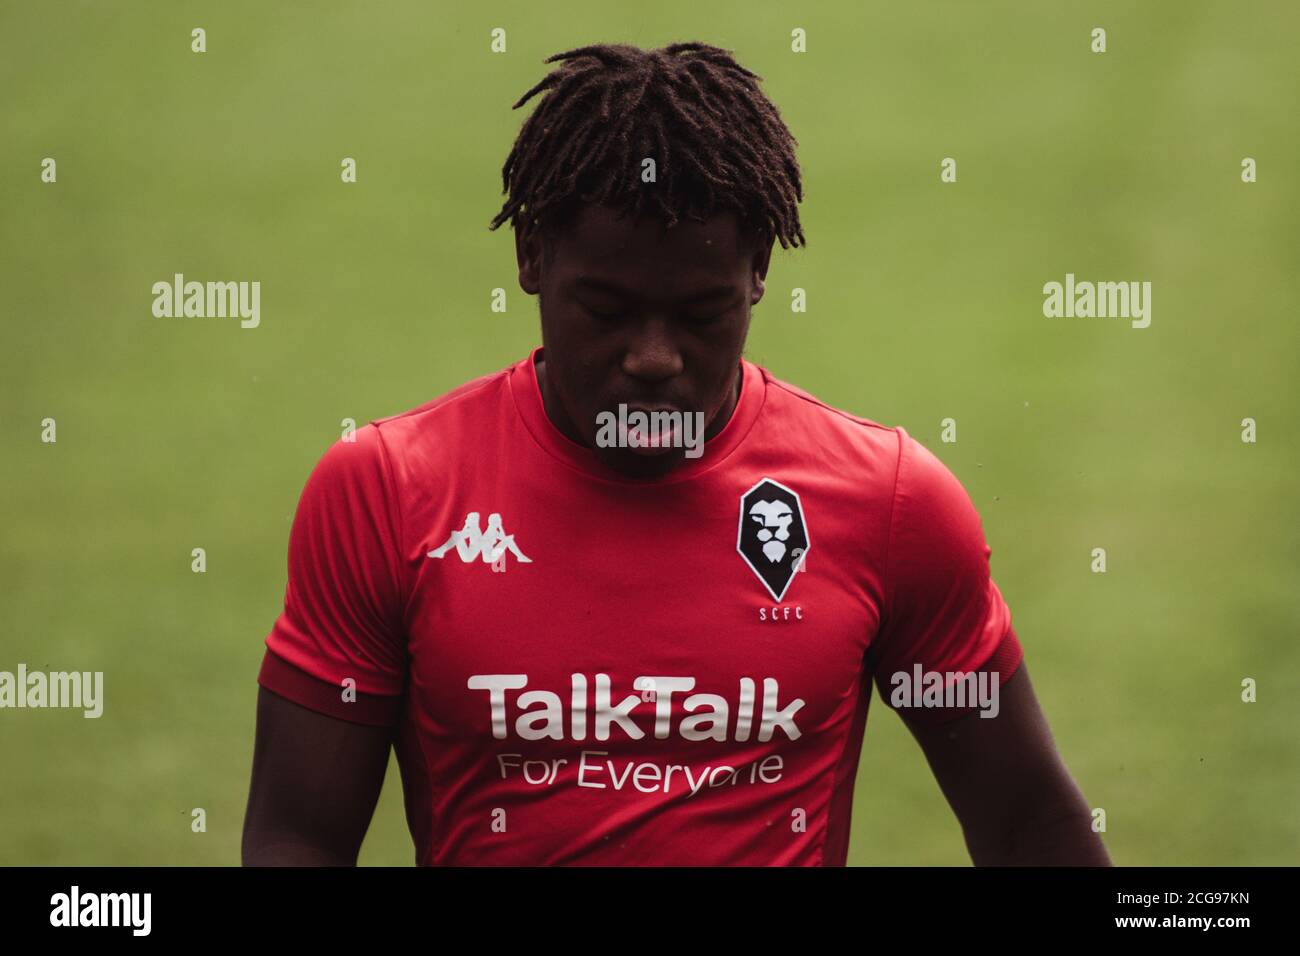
[679, 671]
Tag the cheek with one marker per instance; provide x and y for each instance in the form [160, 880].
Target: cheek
[722, 358]
[719, 352]
[583, 376]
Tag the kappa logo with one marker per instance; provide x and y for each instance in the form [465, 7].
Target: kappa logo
[487, 545]
[773, 538]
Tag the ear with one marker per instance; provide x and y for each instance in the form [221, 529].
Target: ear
[528, 252]
[761, 260]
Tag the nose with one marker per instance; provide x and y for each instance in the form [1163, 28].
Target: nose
[652, 355]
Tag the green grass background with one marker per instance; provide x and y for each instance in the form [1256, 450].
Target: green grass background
[924, 303]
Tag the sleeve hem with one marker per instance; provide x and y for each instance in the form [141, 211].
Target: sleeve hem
[280, 677]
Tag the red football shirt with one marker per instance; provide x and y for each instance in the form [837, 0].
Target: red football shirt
[586, 669]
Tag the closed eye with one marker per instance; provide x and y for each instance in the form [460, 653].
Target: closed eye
[601, 316]
[700, 320]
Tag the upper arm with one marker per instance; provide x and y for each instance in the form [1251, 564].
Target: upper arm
[315, 782]
[344, 602]
[997, 765]
[995, 770]
[335, 667]
[942, 614]
[1008, 786]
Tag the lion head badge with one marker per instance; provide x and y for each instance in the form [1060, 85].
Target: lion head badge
[773, 538]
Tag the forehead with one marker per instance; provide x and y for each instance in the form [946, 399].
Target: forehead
[644, 254]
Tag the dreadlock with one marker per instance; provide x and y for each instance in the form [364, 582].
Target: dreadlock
[718, 142]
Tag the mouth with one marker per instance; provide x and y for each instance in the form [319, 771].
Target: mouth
[656, 439]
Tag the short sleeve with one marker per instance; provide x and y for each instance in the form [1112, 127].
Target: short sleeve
[343, 604]
[943, 612]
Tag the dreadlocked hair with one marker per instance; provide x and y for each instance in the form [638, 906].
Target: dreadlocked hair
[717, 141]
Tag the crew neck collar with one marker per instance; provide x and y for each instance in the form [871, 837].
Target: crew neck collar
[527, 394]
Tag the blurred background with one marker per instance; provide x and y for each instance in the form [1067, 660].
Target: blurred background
[924, 303]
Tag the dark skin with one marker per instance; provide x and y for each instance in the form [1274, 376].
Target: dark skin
[316, 780]
[635, 313]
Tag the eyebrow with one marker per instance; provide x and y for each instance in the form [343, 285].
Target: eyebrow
[613, 288]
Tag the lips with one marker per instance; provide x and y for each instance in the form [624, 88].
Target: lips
[654, 442]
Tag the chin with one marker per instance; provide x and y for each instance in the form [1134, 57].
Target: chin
[632, 465]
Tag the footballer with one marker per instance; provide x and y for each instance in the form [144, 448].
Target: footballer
[596, 642]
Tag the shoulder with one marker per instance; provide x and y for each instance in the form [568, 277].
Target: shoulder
[473, 404]
[858, 448]
[928, 501]
[926, 483]
[792, 402]
[936, 531]
[367, 462]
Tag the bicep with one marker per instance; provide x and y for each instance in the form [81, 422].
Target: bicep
[999, 772]
[314, 786]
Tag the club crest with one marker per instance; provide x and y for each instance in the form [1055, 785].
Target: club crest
[773, 538]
